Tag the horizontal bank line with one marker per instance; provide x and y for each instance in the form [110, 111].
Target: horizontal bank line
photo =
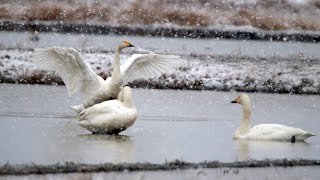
[188, 32]
[71, 167]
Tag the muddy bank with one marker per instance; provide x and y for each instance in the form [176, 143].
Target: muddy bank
[308, 172]
[158, 31]
[70, 167]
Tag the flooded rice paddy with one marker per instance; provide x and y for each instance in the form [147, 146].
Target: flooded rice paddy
[37, 125]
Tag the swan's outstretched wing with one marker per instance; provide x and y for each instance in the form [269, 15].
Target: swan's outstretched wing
[147, 65]
[69, 64]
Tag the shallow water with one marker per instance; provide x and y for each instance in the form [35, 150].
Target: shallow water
[265, 49]
[37, 125]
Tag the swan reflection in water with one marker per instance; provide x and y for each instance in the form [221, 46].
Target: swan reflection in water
[254, 149]
[107, 148]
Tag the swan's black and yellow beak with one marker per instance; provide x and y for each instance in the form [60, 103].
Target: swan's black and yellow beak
[234, 101]
[127, 43]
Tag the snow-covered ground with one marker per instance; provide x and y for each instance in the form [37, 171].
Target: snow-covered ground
[298, 75]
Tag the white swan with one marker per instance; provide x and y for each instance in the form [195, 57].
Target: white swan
[274, 132]
[79, 77]
[110, 117]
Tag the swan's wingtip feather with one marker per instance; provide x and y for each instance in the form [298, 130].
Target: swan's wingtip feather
[84, 123]
[77, 108]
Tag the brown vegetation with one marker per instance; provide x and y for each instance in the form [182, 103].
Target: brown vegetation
[43, 12]
[137, 13]
[262, 21]
[264, 14]
[4, 13]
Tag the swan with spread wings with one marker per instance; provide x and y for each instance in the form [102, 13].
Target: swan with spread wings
[80, 78]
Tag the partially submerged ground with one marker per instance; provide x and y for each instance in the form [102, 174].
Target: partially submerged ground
[70, 167]
[299, 75]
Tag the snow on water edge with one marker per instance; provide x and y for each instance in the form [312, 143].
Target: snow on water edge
[275, 75]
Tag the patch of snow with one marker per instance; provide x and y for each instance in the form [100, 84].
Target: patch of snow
[298, 2]
[295, 75]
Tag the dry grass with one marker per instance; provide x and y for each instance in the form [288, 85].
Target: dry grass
[4, 13]
[43, 12]
[138, 14]
[262, 21]
[265, 14]
[86, 12]
[304, 23]
[39, 77]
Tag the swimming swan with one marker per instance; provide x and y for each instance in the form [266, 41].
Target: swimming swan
[274, 132]
[79, 77]
[110, 117]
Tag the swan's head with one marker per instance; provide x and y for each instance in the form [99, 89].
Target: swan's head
[242, 99]
[125, 44]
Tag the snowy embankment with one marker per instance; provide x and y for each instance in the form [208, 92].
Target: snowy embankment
[296, 75]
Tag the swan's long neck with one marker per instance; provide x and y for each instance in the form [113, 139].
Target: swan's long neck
[246, 119]
[127, 99]
[120, 96]
[116, 74]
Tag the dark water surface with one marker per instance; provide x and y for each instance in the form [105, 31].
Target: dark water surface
[182, 46]
[37, 125]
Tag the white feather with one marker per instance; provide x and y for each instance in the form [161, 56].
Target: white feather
[276, 132]
[147, 66]
[79, 77]
[110, 117]
[69, 64]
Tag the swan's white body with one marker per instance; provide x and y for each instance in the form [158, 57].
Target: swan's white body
[110, 117]
[273, 132]
[79, 77]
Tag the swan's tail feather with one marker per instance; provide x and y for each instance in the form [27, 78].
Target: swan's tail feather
[81, 116]
[84, 123]
[310, 134]
[305, 136]
[78, 108]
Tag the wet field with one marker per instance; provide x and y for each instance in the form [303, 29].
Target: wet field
[37, 125]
